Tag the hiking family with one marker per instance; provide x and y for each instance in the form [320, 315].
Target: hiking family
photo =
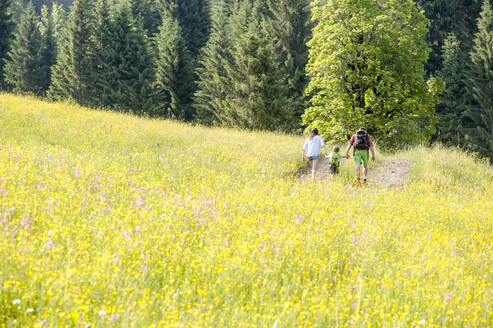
[361, 143]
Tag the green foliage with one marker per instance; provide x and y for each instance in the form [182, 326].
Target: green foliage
[202, 57]
[290, 26]
[256, 95]
[211, 72]
[22, 67]
[57, 15]
[71, 75]
[129, 61]
[450, 111]
[47, 52]
[242, 80]
[6, 29]
[39, 4]
[184, 31]
[174, 72]
[33, 51]
[194, 19]
[366, 65]
[148, 11]
[449, 60]
[102, 69]
[480, 85]
[448, 17]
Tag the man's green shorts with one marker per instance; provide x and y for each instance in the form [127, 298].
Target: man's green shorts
[361, 156]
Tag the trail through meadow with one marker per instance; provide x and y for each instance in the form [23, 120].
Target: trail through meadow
[390, 173]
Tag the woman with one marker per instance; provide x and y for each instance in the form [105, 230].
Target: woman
[312, 147]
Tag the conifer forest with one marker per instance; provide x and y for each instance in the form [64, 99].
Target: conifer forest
[410, 71]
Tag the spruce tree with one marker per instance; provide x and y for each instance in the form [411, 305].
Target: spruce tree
[128, 87]
[174, 83]
[148, 11]
[6, 30]
[450, 111]
[72, 73]
[16, 9]
[39, 4]
[195, 22]
[242, 81]
[22, 66]
[211, 72]
[194, 19]
[480, 85]
[256, 95]
[57, 15]
[291, 29]
[47, 54]
[446, 17]
[101, 70]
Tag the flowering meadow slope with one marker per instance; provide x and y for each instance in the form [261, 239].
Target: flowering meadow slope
[110, 220]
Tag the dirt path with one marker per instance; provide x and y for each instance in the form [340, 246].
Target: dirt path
[391, 173]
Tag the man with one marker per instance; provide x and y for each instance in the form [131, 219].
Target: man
[361, 141]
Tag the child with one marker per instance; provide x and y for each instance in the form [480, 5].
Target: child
[312, 147]
[334, 161]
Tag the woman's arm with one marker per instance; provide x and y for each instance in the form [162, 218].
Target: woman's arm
[322, 146]
[303, 150]
[349, 145]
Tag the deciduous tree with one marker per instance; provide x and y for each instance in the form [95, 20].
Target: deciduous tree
[366, 65]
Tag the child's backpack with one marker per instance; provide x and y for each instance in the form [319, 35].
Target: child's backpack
[334, 159]
[361, 142]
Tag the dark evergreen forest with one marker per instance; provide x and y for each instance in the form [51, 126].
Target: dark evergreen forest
[260, 64]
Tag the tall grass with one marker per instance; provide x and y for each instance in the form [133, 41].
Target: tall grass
[449, 167]
[109, 220]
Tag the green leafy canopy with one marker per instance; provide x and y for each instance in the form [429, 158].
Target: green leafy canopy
[366, 65]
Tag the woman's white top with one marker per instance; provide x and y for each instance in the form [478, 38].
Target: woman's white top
[312, 146]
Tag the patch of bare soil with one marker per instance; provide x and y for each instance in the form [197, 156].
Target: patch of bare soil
[391, 173]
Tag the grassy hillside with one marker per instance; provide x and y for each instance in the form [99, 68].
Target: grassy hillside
[113, 220]
[449, 168]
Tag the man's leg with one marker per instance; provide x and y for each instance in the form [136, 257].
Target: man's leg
[358, 168]
[365, 172]
[366, 159]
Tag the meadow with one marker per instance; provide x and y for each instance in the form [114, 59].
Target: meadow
[111, 220]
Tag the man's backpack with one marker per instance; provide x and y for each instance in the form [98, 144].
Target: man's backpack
[361, 142]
